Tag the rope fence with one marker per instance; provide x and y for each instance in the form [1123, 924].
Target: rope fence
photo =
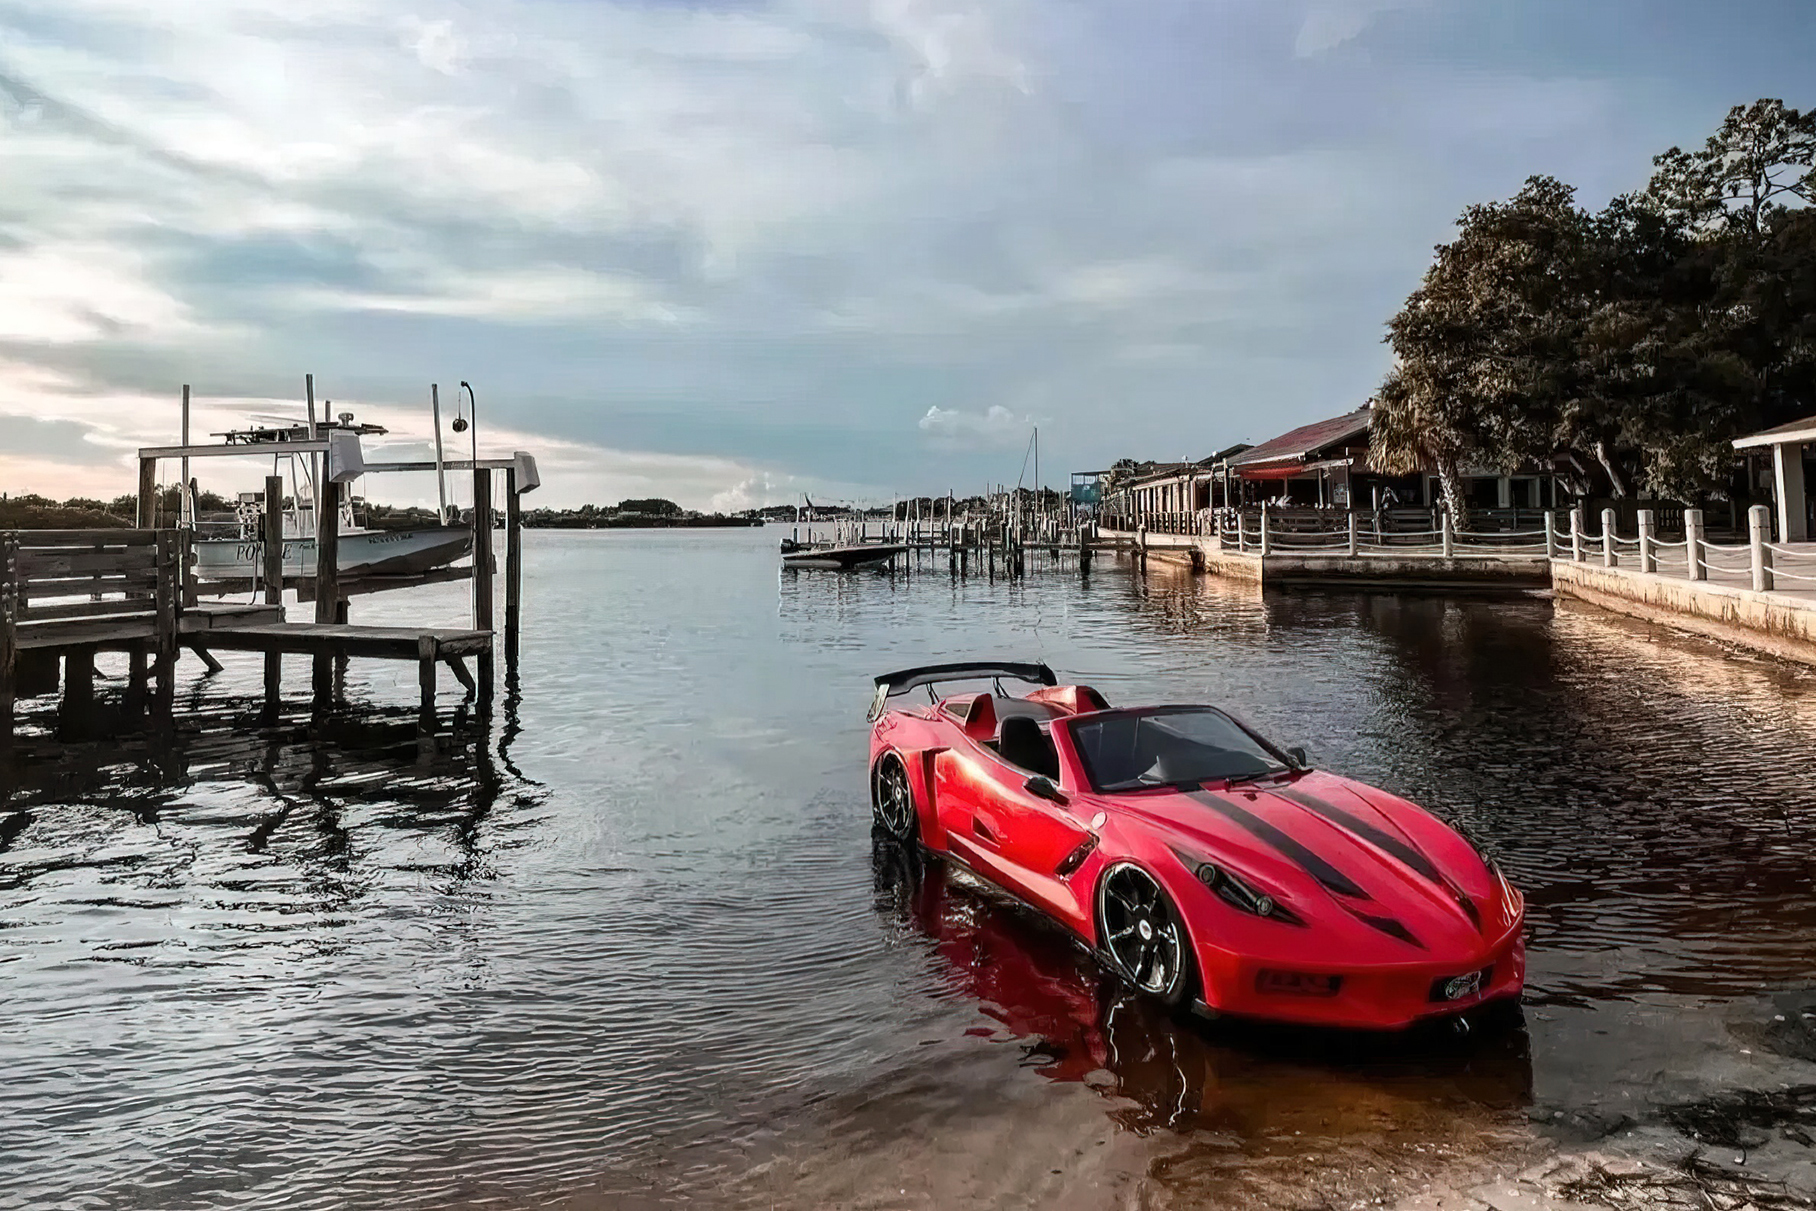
[1759, 564]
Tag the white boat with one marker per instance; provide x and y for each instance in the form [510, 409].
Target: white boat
[362, 553]
[234, 550]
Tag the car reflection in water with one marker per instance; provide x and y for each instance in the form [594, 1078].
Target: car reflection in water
[1248, 1082]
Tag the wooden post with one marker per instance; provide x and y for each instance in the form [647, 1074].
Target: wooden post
[1695, 564]
[1354, 536]
[148, 494]
[1609, 558]
[186, 565]
[75, 714]
[1550, 534]
[482, 577]
[327, 576]
[513, 568]
[1648, 553]
[1447, 533]
[9, 649]
[1267, 536]
[425, 680]
[166, 625]
[1576, 533]
[274, 584]
[1759, 532]
[136, 681]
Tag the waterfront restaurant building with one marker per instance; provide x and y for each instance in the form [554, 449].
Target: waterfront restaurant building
[1325, 465]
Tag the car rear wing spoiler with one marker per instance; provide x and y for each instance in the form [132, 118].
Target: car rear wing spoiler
[891, 684]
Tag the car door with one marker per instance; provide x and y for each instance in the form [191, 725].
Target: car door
[1032, 836]
[966, 801]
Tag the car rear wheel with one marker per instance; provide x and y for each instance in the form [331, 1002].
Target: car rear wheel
[1141, 935]
[892, 799]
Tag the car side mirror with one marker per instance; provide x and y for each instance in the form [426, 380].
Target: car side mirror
[1041, 787]
[1297, 756]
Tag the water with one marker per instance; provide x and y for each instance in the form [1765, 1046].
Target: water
[632, 944]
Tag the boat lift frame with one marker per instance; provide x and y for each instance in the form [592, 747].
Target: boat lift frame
[342, 462]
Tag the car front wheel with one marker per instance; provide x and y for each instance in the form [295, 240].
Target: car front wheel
[1142, 937]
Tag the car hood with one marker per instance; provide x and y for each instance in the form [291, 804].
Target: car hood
[1344, 856]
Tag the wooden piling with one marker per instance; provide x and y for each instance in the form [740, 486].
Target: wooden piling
[169, 606]
[9, 648]
[75, 713]
[513, 568]
[482, 577]
[274, 585]
[137, 681]
[148, 494]
[327, 576]
[425, 680]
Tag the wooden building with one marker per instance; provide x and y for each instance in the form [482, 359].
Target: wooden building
[1325, 465]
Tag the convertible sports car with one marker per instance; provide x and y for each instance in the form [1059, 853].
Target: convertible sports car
[1199, 862]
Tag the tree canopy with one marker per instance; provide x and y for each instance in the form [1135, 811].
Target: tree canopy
[1625, 348]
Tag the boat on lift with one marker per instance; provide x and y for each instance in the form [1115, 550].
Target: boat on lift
[234, 550]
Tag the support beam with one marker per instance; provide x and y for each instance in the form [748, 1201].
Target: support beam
[460, 673]
[272, 549]
[75, 714]
[327, 576]
[137, 681]
[425, 678]
[482, 578]
[148, 493]
[168, 609]
[214, 666]
[9, 650]
[513, 569]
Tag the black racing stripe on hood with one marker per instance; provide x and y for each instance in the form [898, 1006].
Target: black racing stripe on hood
[1376, 837]
[1400, 849]
[1326, 874]
[1390, 927]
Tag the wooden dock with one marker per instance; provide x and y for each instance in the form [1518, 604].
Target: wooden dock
[67, 595]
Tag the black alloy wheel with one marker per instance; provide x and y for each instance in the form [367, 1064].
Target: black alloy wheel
[1142, 936]
[893, 799]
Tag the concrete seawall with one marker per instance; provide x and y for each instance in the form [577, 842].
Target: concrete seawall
[1779, 624]
[1285, 568]
[1774, 623]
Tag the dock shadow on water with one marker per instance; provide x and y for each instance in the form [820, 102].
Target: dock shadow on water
[632, 944]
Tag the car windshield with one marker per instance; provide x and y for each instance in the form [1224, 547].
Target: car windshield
[1173, 746]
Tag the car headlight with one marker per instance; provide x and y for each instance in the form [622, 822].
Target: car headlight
[1233, 890]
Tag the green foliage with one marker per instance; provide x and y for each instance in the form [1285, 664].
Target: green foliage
[1626, 348]
[654, 507]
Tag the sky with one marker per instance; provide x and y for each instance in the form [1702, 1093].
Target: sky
[731, 251]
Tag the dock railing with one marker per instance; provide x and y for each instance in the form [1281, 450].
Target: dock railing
[1758, 564]
[87, 587]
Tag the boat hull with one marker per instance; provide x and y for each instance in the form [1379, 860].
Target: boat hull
[372, 553]
[843, 559]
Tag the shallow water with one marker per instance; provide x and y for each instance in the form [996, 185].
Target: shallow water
[632, 943]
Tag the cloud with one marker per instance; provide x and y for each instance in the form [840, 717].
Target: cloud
[996, 425]
[1331, 23]
[737, 244]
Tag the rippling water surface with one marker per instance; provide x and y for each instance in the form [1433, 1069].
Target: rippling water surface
[631, 943]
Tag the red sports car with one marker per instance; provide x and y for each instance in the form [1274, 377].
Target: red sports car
[1199, 862]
